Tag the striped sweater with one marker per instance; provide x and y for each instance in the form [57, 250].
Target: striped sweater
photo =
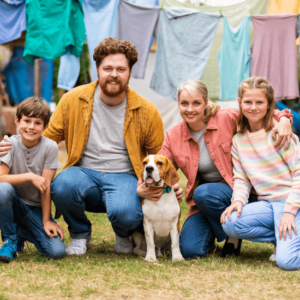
[274, 173]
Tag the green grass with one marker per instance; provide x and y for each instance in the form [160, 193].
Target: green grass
[103, 274]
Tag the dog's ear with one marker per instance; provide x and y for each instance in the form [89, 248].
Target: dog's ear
[171, 176]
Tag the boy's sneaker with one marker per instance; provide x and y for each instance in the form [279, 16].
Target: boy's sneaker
[77, 246]
[123, 245]
[8, 250]
[273, 256]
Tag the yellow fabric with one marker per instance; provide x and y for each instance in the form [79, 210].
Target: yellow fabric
[71, 121]
[284, 7]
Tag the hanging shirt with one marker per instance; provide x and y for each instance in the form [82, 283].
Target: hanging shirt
[274, 53]
[13, 20]
[52, 26]
[234, 58]
[100, 19]
[137, 24]
[184, 41]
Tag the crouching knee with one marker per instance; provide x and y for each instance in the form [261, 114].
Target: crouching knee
[288, 264]
[57, 250]
[230, 226]
[6, 192]
[190, 249]
[127, 220]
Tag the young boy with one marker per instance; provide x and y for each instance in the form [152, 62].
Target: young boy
[25, 176]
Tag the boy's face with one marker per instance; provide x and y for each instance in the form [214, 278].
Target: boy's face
[30, 129]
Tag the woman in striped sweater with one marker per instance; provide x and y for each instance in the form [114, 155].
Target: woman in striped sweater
[273, 173]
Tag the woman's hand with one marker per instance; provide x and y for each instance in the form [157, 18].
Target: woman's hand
[287, 222]
[149, 193]
[4, 146]
[238, 206]
[284, 130]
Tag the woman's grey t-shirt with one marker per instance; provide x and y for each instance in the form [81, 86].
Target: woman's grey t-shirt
[106, 150]
[21, 159]
[206, 166]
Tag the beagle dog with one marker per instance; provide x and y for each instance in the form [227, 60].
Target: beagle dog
[161, 218]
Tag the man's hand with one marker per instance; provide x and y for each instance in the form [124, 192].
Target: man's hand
[149, 193]
[287, 222]
[53, 230]
[39, 182]
[238, 206]
[179, 192]
[284, 130]
[4, 146]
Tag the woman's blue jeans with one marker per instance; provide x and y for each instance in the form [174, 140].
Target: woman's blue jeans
[259, 222]
[201, 229]
[28, 223]
[77, 190]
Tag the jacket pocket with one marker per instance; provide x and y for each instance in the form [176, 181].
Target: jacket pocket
[227, 146]
[180, 161]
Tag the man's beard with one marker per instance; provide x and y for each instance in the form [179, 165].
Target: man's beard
[112, 92]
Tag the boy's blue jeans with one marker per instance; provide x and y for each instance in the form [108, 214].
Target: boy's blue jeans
[77, 190]
[201, 229]
[29, 223]
[259, 222]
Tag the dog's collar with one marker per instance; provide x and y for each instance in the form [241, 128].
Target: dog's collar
[167, 190]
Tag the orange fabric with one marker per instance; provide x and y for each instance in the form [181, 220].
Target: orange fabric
[284, 7]
[71, 121]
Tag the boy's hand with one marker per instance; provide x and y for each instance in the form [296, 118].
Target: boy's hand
[238, 206]
[4, 146]
[39, 182]
[287, 222]
[53, 229]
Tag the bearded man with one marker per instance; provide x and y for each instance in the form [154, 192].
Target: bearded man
[108, 129]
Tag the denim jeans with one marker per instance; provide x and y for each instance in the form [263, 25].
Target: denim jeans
[201, 229]
[76, 190]
[259, 222]
[28, 223]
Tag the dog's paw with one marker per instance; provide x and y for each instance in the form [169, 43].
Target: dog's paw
[177, 258]
[150, 258]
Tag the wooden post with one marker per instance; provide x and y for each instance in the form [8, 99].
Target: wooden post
[37, 79]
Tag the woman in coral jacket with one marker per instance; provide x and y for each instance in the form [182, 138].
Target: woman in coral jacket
[200, 145]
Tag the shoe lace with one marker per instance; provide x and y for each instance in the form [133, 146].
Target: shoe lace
[8, 246]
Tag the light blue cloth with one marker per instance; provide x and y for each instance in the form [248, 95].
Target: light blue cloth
[12, 20]
[234, 58]
[69, 69]
[296, 117]
[185, 37]
[100, 19]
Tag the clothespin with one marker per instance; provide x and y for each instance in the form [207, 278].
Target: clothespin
[162, 5]
[221, 13]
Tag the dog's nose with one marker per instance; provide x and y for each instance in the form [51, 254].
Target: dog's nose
[149, 169]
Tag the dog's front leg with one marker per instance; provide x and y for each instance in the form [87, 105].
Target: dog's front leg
[176, 254]
[149, 236]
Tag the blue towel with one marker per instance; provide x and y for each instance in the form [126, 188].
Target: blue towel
[12, 20]
[185, 37]
[234, 58]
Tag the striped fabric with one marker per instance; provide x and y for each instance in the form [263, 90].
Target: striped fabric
[274, 174]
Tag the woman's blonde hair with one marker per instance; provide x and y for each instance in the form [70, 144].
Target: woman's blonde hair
[264, 85]
[197, 86]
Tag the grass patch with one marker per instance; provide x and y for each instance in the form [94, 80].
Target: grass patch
[103, 274]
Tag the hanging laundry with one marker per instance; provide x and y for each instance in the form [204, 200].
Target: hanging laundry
[13, 20]
[137, 24]
[274, 53]
[100, 18]
[185, 37]
[19, 77]
[235, 14]
[284, 7]
[234, 58]
[52, 27]
[69, 69]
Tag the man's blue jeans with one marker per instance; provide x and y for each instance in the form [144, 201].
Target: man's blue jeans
[28, 223]
[201, 229]
[259, 222]
[76, 190]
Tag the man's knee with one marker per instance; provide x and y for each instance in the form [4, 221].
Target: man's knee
[6, 193]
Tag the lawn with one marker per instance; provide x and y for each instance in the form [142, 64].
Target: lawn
[103, 274]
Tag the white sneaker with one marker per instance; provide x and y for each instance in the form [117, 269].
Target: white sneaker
[77, 246]
[273, 256]
[123, 245]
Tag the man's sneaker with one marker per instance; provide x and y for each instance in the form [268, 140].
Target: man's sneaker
[273, 256]
[123, 245]
[77, 246]
[8, 250]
